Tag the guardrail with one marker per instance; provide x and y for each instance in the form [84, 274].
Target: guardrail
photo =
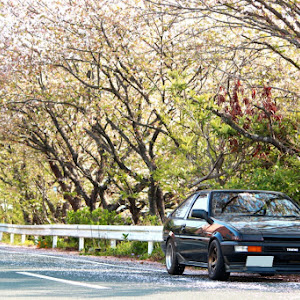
[113, 233]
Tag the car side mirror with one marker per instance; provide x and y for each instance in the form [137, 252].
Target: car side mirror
[201, 214]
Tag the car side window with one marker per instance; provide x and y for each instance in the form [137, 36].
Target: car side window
[181, 211]
[200, 203]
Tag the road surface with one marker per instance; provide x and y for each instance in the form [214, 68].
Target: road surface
[27, 273]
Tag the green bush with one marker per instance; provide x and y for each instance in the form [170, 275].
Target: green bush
[98, 216]
[102, 247]
[44, 242]
[5, 238]
[125, 248]
[282, 176]
[150, 220]
[69, 243]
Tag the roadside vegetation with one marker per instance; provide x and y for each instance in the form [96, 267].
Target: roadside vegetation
[113, 112]
[98, 247]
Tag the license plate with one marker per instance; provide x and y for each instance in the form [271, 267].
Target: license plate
[259, 261]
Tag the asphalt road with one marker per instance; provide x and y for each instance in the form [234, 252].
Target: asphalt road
[27, 273]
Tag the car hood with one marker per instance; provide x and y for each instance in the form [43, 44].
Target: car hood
[265, 225]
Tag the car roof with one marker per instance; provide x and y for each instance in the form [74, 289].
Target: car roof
[238, 191]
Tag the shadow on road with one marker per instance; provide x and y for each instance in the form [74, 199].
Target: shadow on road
[240, 277]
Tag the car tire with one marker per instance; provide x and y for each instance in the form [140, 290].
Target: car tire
[172, 265]
[216, 265]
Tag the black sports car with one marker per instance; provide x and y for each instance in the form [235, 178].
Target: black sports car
[234, 231]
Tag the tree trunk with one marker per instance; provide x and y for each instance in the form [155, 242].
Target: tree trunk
[151, 199]
[156, 200]
[135, 212]
[103, 202]
[64, 211]
[74, 201]
[93, 198]
[160, 203]
[26, 217]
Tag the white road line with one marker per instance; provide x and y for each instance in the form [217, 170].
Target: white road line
[83, 284]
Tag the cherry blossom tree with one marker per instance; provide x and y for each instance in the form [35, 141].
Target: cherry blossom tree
[124, 98]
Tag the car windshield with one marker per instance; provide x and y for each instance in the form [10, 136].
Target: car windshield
[253, 203]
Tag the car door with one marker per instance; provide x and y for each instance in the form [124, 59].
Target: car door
[179, 219]
[193, 240]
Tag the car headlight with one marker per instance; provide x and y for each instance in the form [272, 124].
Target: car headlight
[247, 248]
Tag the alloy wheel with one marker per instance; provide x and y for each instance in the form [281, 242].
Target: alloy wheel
[213, 259]
[169, 256]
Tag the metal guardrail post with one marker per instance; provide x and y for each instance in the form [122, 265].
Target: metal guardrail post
[12, 238]
[54, 242]
[113, 243]
[81, 243]
[1, 236]
[150, 247]
[23, 238]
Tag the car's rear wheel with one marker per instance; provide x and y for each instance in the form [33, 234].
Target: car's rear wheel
[173, 267]
[216, 266]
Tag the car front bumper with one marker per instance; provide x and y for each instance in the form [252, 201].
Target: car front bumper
[274, 258]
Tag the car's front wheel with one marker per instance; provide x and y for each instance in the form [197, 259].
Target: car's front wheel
[216, 266]
[173, 267]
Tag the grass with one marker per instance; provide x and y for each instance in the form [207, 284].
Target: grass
[17, 240]
[131, 249]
